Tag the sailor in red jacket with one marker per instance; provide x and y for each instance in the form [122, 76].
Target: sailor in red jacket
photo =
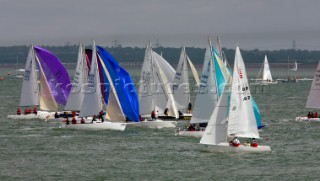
[18, 112]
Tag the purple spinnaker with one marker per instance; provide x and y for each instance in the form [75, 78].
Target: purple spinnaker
[56, 75]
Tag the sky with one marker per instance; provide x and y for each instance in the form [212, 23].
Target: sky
[251, 24]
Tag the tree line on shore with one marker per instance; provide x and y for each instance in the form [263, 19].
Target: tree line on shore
[68, 54]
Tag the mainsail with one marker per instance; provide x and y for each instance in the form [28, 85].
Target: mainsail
[241, 122]
[180, 82]
[207, 96]
[30, 89]
[314, 94]
[92, 101]
[266, 70]
[80, 78]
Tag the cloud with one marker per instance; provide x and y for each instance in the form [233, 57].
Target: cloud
[251, 23]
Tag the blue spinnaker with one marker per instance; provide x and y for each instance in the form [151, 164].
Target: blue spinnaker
[124, 85]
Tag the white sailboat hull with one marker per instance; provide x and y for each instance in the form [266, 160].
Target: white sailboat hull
[195, 134]
[96, 126]
[23, 116]
[263, 82]
[225, 147]
[45, 115]
[154, 124]
[306, 119]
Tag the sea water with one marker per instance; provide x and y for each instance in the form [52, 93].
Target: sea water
[38, 150]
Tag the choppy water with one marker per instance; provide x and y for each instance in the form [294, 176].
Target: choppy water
[37, 150]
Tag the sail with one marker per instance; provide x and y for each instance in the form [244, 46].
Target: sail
[80, 78]
[295, 66]
[314, 94]
[123, 85]
[56, 75]
[216, 131]
[114, 110]
[223, 73]
[242, 122]
[172, 108]
[207, 95]
[30, 89]
[160, 95]
[146, 84]
[194, 71]
[266, 70]
[180, 84]
[92, 101]
[47, 101]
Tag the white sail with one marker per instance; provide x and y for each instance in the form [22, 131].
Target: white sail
[171, 105]
[295, 67]
[241, 122]
[160, 96]
[114, 110]
[47, 102]
[30, 89]
[266, 70]
[146, 84]
[92, 101]
[207, 96]
[80, 78]
[216, 131]
[194, 71]
[152, 89]
[180, 84]
[314, 94]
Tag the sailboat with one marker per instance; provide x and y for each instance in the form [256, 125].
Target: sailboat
[207, 96]
[290, 79]
[234, 120]
[266, 75]
[76, 95]
[313, 97]
[54, 84]
[104, 91]
[181, 92]
[203, 109]
[155, 93]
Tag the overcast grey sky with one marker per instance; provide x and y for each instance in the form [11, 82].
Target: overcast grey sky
[262, 24]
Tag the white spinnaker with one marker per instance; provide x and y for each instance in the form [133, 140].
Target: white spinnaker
[266, 70]
[114, 110]
[241, 122]
[76, 95]
[207, 96]
[47, 102]
[194, 71]
[30, 88]
[180, 84]
[146, 84]
[216, 131]
[314, 94]
[92, 101]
